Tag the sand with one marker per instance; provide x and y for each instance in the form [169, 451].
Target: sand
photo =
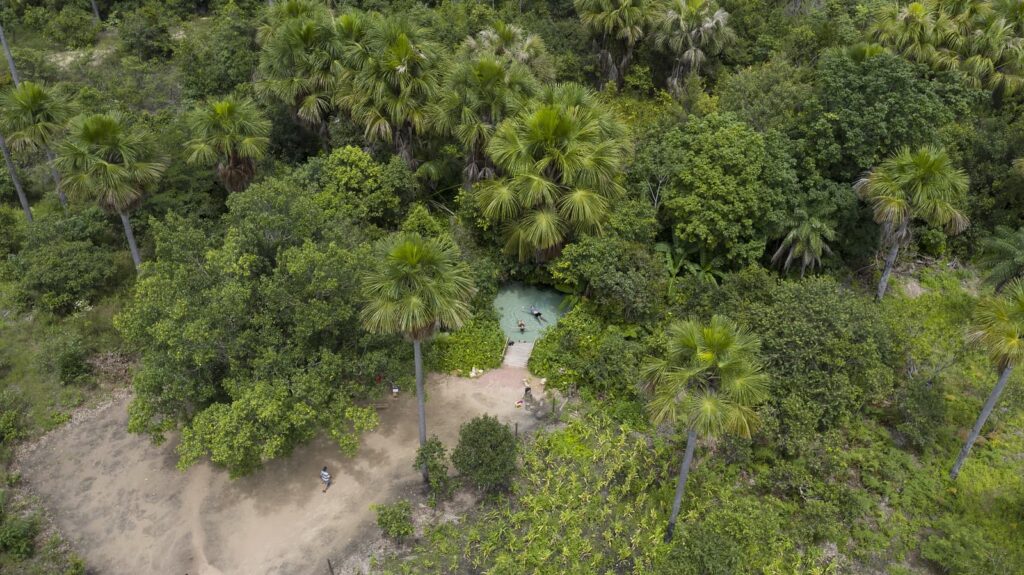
[126, 509]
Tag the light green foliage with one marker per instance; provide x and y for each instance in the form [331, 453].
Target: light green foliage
[350, 182]
[584, 352]
[420, 221]
[17, 534]
[12, 224]
[583, 504]
[623, 279]
[479, 343]
[252, 343]
[486, 454]
[395, 519]
[727, 189]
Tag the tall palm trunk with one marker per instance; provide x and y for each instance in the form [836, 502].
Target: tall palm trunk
[10, 58]
[95, 11]
[982, 417]
[684, 472]
[890, 259]
[128, 233]
[56, 180]
[420, 399]
[14, 178]
[675, 85]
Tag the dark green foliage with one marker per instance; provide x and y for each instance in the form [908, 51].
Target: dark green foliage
[66, 354]
[395, 519]
[869, 108]
[486, 453]
[13, 232]
[723, 188]
[218, 55]
[60, 276]
[262, 322]
[71, 26]
[623, 279]
[584, 352]
[827, 351]
[17, 534]
[480, 343]
[434, 457]
[145, 32]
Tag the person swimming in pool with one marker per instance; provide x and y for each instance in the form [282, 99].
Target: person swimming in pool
[537, 314]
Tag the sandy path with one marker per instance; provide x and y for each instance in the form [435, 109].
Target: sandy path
[126, 509]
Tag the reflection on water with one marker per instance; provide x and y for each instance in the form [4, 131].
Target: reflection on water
[513, 304]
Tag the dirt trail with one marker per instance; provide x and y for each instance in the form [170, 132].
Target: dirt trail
[126, 509]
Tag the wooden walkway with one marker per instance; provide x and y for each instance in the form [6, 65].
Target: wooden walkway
[517, 355]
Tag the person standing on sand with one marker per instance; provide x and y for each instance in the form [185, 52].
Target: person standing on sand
[325, 478]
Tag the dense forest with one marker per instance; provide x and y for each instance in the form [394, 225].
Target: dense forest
[790, 232]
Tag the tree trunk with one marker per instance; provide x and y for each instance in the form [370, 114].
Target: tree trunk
[420, 399]
[10, 58]
[128, 233]
[684, 472]
[95, 11]
[674, 85]
[56, 180]
[14, 178]
[982, 417]
[890, 260]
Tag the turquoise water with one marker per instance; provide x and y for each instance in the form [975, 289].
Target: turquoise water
[513, 303]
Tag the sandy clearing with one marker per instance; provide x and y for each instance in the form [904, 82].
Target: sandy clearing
[126, 509]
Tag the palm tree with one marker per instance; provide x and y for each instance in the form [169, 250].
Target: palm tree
[478, 93]
[1000, 330]
[922, 184]
[617, 27]
[710, 380]
[105, 160]
[561, 159]
[508, 41]
[1003, 255]
[920, 31]
[231, 132]
[806, 242]
[418, 287]
[8, 159]
[33, 118]
[300, 62]
[388, 81]
[690, 31]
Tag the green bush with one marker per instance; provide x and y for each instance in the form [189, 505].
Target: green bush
[66, 354]
[582, 350]
[216, 58]
[486, 453]
[17, 534]
[72, 27]
[395, 519]
[12, 224]
[145, 33]
[433, 455]
[61, 275]
[480, 343]
[12, 411]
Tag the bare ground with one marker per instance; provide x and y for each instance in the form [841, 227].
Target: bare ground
[125, 507]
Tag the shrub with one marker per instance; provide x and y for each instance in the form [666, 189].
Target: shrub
[12, 410]
[395, 519]
[215, 59]
[11, 222]
[434, 456]
[56, 276]
[17, 534]
[66, 354]
[145, 33]
[584, 351]
[72, 27]
[480, 343]
[486, 453]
